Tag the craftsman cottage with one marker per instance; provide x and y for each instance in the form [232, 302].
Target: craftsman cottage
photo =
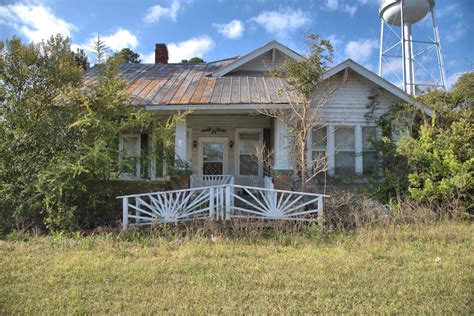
[222, 133]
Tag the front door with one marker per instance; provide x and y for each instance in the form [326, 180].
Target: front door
[213, 155]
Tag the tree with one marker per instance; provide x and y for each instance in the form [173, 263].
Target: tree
[309, 94]
[128, 56]
[100, 50]
[59, 139]
[193, 60]
[80, 56]
[436, 153]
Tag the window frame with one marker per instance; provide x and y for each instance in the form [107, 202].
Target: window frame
[239, 131]
[151, 164]
[353, 151]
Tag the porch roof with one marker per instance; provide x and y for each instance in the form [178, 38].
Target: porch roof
[185, 84]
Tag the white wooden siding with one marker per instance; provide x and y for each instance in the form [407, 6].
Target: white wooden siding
[264, 62]
[348, 105]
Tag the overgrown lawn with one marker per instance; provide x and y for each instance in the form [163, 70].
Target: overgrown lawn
[417, 269]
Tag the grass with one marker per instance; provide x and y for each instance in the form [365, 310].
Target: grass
[417, 269]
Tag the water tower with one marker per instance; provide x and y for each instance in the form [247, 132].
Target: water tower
[399, 16]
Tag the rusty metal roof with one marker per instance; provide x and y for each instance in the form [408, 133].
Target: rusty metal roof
[184, 84]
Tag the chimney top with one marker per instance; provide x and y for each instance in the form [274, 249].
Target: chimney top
[161, 53]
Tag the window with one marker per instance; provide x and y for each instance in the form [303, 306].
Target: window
[248, 158]
[369, 154]
[319, 146]
[135, 161]
[345, 150]
[130, 155]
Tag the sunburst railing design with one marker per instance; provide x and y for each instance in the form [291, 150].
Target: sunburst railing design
[198, 181]
[220, 202]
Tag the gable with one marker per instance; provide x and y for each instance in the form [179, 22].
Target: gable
[262, 63]
[260, 60]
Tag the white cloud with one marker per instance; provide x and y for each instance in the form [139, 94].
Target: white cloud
[193, 47]
[456, 32]
[157, 12]
[452, 79]
[120, 39]
[361, 50]
[281, 22]
[234, 29]
[116, 41]
[35, 22]
[339, 5]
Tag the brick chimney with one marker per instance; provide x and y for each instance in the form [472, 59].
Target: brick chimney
[161, 53]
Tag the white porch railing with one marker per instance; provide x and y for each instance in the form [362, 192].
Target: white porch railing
[220, 203]
[197, 181]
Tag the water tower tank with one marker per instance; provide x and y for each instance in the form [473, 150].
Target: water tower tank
[414, 10]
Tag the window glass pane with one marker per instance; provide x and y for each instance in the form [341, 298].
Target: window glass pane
[344, 138]
[345, 163]
[370, 160]
[320, 138]
[249, 142]
[248, 165]
[213, 152]
[130, 153]
[368, 135]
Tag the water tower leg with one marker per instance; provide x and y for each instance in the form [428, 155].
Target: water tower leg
[408, 59]
[381, 47]
[442, 71]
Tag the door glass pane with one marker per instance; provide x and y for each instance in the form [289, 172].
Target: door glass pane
[213, 168]
[213, 158]
[213, 152]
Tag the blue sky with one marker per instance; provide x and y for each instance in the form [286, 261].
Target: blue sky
[214, 29]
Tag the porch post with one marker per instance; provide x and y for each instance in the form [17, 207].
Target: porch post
[181, 143]
[281, 146]
[281, 168]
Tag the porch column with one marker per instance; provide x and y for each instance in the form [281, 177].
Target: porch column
[181, 143]
[281, 146]
[359, 166]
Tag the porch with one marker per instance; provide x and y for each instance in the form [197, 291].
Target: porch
[240, 146]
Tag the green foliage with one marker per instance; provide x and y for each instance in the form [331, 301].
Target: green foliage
[305, 74]
[80, 56]
[128, 56]
[58, 139]
[100, 50]
[432, 159]
[193, 60]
